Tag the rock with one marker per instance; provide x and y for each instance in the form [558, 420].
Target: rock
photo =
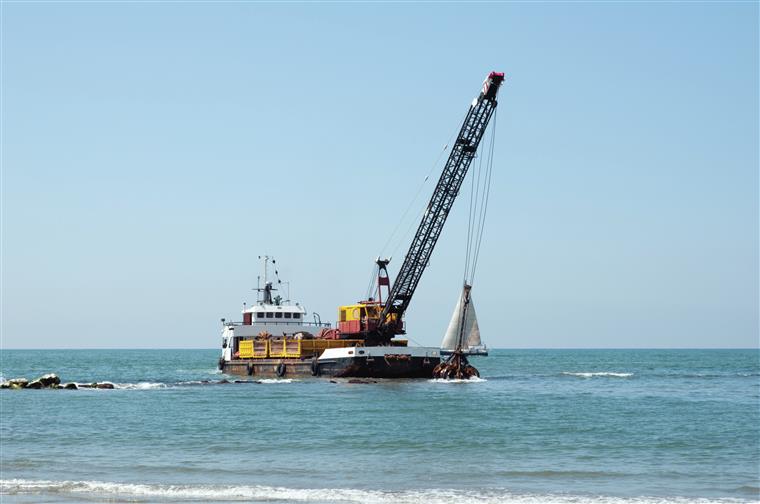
[17, 383]
[104, 385]
[70, 386]
[5, 385]
[224, 381]
[49, 380]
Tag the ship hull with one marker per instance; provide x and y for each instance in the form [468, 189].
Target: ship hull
[268, 368]
[362, 367]
[374, 362]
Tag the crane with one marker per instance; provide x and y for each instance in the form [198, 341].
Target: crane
[384, 320]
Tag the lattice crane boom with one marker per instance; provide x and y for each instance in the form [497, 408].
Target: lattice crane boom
[446, 190]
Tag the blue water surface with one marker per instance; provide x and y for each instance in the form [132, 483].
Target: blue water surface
[542, 425]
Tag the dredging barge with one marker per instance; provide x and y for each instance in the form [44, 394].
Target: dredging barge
[273, 340]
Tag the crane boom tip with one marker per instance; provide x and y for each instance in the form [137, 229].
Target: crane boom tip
[491, 84]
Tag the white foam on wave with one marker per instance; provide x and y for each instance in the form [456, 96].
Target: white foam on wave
[188, 383]
[194, 382]
[208, 493]
[474, 379]
[140, 386]
[608, 374]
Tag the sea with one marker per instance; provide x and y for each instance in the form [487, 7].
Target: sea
[539, 426]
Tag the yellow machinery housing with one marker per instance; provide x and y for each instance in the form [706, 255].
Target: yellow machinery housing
[361, 317]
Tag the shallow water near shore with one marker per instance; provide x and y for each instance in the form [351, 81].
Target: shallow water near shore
[622, 426]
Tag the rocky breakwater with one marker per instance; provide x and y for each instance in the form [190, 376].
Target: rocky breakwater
[51, 381]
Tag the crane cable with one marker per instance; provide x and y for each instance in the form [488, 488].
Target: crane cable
[414, 199]
[484, 208]
[479, 194]
[415, 221]
[373, 277]
[480, 190]
[418, 215]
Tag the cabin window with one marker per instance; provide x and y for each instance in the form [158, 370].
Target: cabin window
[343, 315]
[278, 315]
[270, 314]
[296, 315]
[288, 315]
[260, 314]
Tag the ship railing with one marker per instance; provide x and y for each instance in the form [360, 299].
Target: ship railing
[320, 325]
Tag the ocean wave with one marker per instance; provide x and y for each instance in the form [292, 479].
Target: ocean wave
[276, 380]
[140, 386]
[183, 384]
[135, 492]
[562, 474]
[474, 379]
[608, 374]
[193, 383]
[749, 489]
[713, 375]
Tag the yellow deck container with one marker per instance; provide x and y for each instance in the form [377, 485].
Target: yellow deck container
[245, 349]
[290, 348]
[277, 347]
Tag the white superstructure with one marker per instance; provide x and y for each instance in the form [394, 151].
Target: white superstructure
[270, 315]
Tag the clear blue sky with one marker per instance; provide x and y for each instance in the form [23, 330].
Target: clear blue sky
[151, 151]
